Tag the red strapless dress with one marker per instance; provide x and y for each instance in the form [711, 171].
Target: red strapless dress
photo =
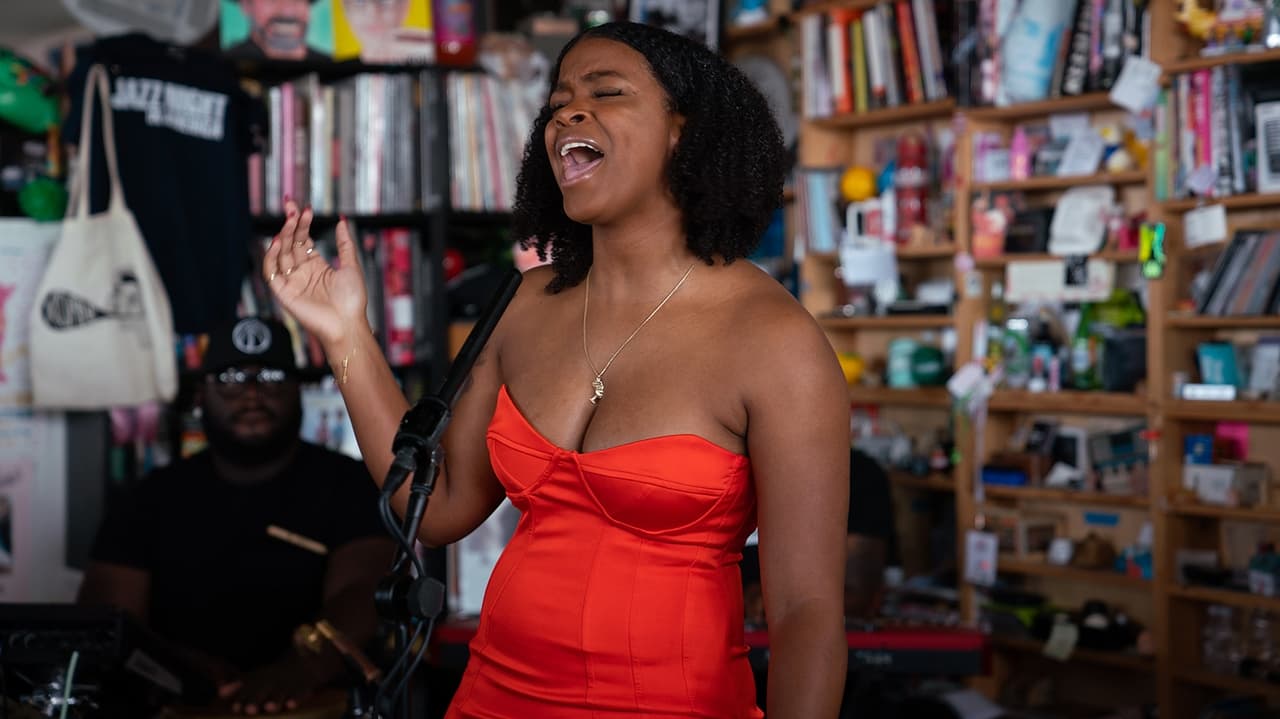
[619, 594]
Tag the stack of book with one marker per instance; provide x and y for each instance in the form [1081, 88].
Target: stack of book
[1213, 119]
[1246, 278]
[1011, 51]
[359, 145]
[882, 57]
[400, 281]
[489, 123]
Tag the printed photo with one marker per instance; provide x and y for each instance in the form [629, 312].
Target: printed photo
[277, 29]
[383, 31]
[695, 19]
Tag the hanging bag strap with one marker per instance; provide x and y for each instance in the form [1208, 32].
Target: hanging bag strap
[95, 83]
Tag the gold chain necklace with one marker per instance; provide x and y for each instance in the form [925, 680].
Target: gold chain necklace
[597, 384]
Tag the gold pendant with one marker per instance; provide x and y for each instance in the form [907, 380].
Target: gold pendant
[597, 385]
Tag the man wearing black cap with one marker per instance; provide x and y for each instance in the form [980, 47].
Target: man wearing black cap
[227, 552]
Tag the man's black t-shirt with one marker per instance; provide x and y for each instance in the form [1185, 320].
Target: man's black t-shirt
[184, 130]
[219, 582]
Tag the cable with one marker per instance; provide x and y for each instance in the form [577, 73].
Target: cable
[394, 529]
[66, 690]
[413, 666]
[389, 677]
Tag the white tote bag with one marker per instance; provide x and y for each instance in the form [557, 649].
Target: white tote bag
[101, 327]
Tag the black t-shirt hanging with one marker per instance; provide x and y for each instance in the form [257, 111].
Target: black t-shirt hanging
[184, 129]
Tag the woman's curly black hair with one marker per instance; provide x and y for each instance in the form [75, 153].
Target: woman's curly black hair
[726, 173]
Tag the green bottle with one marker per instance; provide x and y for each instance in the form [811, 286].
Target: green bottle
[1084, 351]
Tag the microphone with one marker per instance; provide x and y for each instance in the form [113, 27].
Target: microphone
[418, 451]
[422, 427]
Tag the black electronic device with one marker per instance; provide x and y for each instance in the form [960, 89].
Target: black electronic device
[96, 660]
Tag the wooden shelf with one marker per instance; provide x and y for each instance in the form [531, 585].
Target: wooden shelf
[1236, 58]
[925, 252]
[931, 483]
[1234, 685]
[834, 4]
[1248, 200]
[1212, 322]
[888, 116]
[756, 30]
[1120, 660]
[1040, 494]
[1052, 182]
[390, 219]
[905, 253]
[1068, 402]
[886, 322]
[913, 397]
[1076, 103]
[1085, 577]
[1210, 411]
[1230, 598]
[1118, 256]
[1247, 514]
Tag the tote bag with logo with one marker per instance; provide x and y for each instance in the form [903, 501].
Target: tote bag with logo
[101, 327]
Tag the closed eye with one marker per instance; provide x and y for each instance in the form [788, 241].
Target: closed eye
[607, 92]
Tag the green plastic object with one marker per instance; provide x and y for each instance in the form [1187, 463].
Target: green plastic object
[27, 97]
[43, 199]
[927, 366]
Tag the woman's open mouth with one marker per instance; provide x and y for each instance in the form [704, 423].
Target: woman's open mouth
[578, 160]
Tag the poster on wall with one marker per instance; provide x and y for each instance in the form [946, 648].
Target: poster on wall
[33, 508]
[24, 251]
[373, 31]
[273, 30]
[695, 19]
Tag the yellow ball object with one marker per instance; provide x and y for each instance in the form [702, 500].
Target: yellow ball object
[852, 364]
[858, 184]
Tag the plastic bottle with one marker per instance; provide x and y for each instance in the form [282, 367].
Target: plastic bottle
[1019, 155]
[1260, 651]
[455, 32]
[995, 325]
[1219, 652]
[910, 185]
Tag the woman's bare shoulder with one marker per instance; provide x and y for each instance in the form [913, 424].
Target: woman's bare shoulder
[773, 333]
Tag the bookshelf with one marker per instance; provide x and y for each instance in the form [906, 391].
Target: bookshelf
[912, 397]
[1191, 64]
[1068, 401]
[1038, 494]
[1022, 111]
[1245, 201]
[1000, 261]
[1036, 184]
[930, 483]
[1209, 322]
[1247, 514]
[1184, 686]
[885, 322]
[1130, 661]
[890, 116]
[1172, 678]
[1091, 577]
[416, 151]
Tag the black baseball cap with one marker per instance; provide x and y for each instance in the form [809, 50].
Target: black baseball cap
[261, 341]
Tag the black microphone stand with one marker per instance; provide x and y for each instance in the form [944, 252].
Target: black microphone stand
[405, 597]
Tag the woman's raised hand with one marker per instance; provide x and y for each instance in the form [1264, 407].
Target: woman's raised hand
[329, 302]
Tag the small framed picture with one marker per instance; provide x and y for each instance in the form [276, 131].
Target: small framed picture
[695, 19]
